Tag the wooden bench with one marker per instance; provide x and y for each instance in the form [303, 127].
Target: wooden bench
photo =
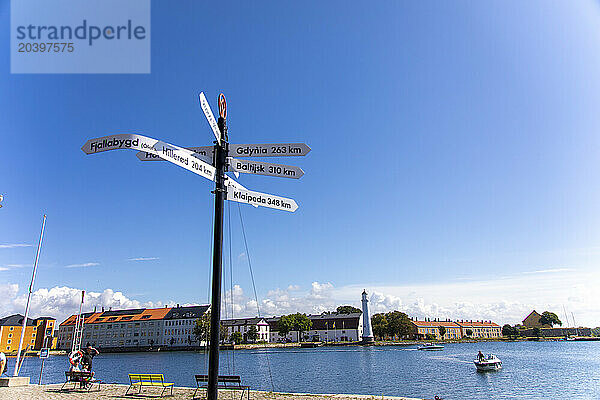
[231, 382]
[149, 380]
[83, 378]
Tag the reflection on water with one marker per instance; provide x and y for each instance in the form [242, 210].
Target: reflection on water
[545, 370]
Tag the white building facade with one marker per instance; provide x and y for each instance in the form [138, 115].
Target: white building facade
[332, 327]
[134, 329]
[244, 325]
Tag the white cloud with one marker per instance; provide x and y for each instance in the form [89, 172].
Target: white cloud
[549, 271]
[60, 301]
[4, 269]
[13, 245]
[506, 299]
[17, 265]
[88, 264]
[282, 301]
[144, 259]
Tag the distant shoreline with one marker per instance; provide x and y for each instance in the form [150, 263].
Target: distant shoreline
[250, 346]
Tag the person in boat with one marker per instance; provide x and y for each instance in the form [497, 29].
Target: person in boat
[480, 356]
[88, 354]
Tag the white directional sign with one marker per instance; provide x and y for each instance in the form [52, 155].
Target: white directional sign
[261, 199]
[268, 150]
[175, 154]
[204, 153]
[210, 117]
[264, 168]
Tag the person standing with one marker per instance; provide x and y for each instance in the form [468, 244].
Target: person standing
[88, 354]
[480, 356]
[3, 363]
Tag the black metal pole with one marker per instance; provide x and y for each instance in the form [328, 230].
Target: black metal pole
[215, 313]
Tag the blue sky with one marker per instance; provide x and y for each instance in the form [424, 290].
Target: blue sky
[454, 147]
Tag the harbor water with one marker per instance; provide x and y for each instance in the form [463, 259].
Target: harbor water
[531, 370]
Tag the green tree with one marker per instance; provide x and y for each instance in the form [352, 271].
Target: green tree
[252, 334]
[549, 318]
[347, 310]
[294, 322]
[507, 330]
[469, 332]
[537, 332]
[201, 329]
[442, 330]
[236, 337]
[224, 334]
[398, 324]
[380, 325]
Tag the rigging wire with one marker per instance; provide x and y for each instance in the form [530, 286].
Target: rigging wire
[254, 288]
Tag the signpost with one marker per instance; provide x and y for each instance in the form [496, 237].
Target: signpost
[269, 150]
[205, 153]
[261, 199]
[263, 168]
[212, 162]
[210, 117]
[44, 353]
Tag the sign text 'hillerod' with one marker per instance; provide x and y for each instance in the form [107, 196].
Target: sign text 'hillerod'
[175, 154]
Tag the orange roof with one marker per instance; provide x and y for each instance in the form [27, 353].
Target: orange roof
[487, 324]
[148, 314]
[430, 324]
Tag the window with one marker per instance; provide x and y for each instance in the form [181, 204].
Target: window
[9, 341]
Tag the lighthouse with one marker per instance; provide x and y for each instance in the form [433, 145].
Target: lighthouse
[367, 336]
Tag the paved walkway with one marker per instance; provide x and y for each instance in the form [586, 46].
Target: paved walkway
[112, 392]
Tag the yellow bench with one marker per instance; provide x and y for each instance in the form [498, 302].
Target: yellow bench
[149, 380]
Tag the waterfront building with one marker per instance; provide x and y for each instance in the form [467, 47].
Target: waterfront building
[326, 327]
[243, 326]
[533, 321]
[38, 333]
[179, 325]
[423, 328]
[367, 334]
[141, 328]
[480, 329]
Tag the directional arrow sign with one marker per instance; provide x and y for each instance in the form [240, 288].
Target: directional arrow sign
[264, 168]
[268, 150]
[204, 153]
[261, 199]
[210, 117]
[175, 154]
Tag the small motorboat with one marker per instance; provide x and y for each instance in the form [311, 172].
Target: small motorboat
[489, 363]
[431, 347]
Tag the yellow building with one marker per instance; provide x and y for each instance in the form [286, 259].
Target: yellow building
[480, 329]
[38, 333]
[423, 328]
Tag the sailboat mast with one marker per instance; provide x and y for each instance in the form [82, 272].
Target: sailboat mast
[35, 265]
[575, 325]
